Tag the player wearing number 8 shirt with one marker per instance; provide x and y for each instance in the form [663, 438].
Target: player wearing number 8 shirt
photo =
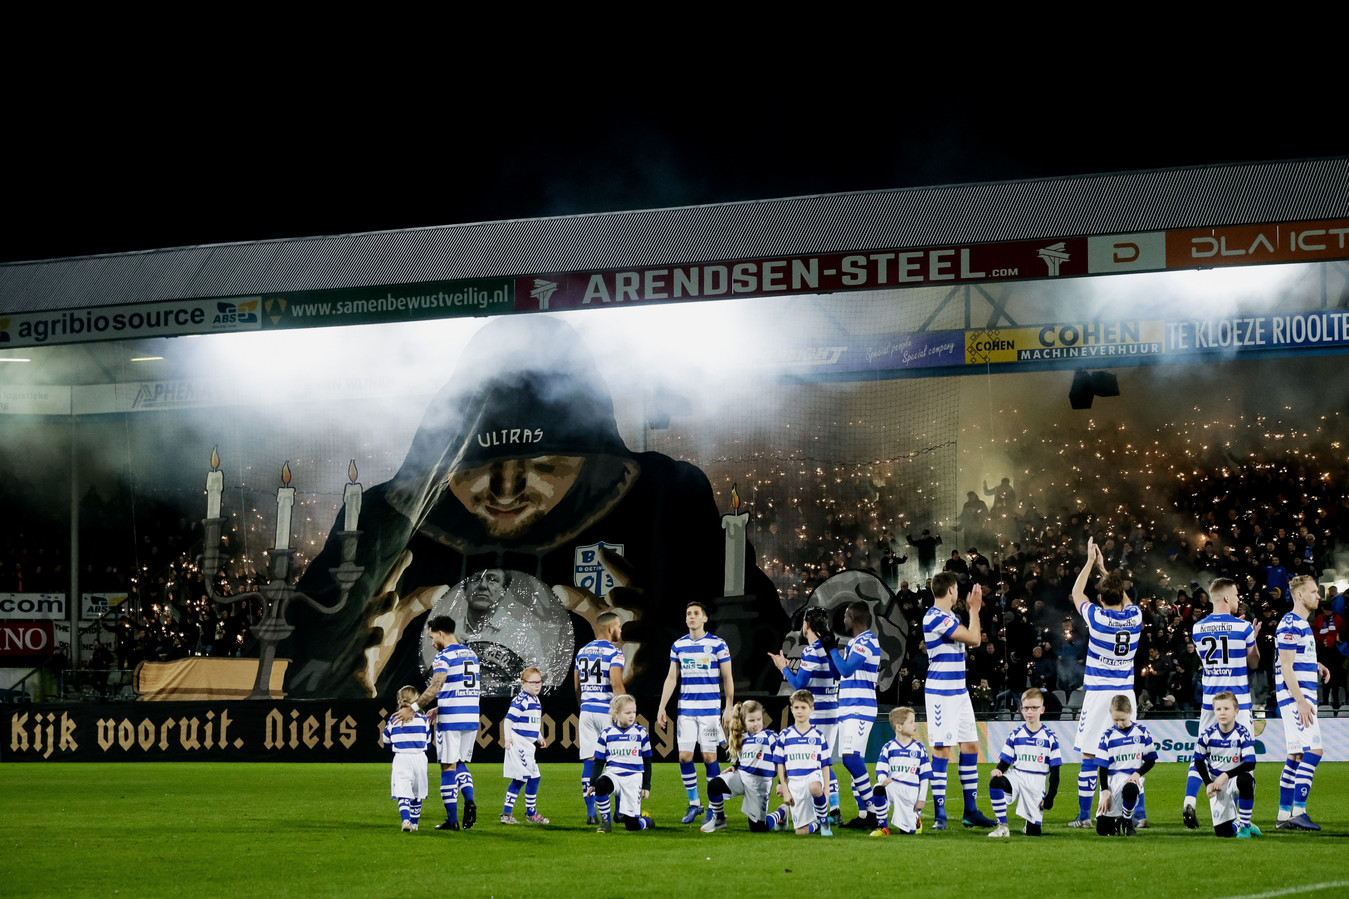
[1113, 628]
[455, 686]
[1227, 651]
[597, 678]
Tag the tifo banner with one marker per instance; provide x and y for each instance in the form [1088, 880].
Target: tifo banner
[338, 731]
[173, 731]
[279, 731]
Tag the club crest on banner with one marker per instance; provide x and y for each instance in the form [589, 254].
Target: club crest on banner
[589, 572]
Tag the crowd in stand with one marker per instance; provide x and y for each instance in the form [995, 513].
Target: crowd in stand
[166, 613]
[1259, 522]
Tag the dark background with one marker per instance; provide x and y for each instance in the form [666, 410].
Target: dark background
[256, 134]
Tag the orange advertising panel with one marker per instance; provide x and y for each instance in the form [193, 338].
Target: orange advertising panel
[1255, 244]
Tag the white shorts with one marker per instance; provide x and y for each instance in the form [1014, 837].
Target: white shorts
[704, 730]
[627, 794]
[1094, 719]
[950, 720]
[1028, 789]
[901, 813]
[1207, 719]
[1117, 782]
[1222, 805]
[454, 746]
[409, 779]
[588, 730]
[518, 762]
[1299, 739]
[753, 787]
[853, 735]
[803, 804]
[830, 732]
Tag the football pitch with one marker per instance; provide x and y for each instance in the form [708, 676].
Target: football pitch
[331, 830]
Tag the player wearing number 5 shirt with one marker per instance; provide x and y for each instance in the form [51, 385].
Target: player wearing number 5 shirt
[455, 686]
[1113, 629]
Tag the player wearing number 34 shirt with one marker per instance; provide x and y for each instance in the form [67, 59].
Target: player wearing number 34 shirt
[597, 678]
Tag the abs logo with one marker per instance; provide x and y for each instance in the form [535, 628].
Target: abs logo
[245, 313]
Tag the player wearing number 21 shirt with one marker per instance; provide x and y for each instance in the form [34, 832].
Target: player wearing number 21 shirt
[1227, 652]
[1113, 630]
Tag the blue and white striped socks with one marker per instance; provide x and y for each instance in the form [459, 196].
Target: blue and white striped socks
[939, 788]
[1303, 782]
[531, 795]
[689, 774]
[969, 779]
[465, 781]
[449, 794]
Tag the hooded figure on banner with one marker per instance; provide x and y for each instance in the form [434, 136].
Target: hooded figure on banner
[518, 469]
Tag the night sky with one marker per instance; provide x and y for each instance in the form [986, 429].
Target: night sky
[228, 160]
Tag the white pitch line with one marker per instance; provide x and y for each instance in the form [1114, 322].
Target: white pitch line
[1289, 891]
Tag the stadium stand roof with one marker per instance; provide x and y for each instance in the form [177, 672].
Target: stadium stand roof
[1234, 194]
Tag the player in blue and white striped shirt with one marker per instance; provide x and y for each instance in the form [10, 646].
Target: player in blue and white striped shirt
[700, 664]
[817, 674]
[1225, 758]
[1124, 754]
[455, 686]
[1226, 648]
[1114, 628]
[520, 733]
[1298, 672]
[950, 715]
[623, 767]
[859, 667]
[904, 772]
[597, 678]
[1030, 756]
[408, 782]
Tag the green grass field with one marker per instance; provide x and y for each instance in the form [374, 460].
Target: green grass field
[331, 830]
